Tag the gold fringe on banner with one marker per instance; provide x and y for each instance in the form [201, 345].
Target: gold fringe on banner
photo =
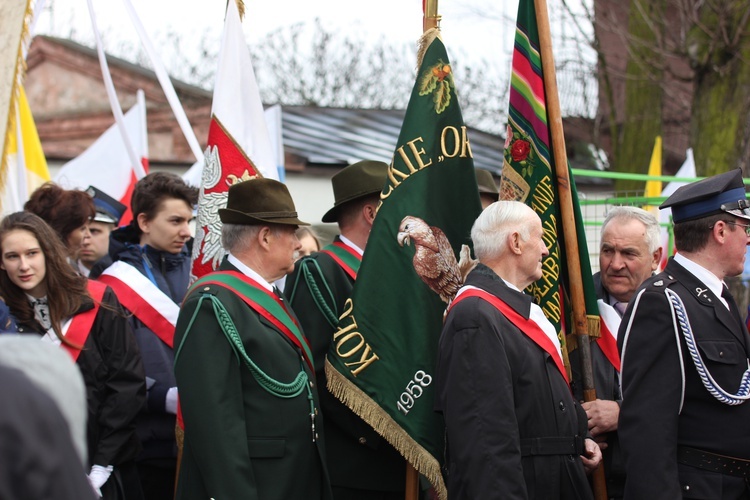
[369, 411]
[241, 9]
[595, 329]
[424, 42]
[595, 332]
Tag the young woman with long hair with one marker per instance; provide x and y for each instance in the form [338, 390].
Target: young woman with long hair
[47, 298]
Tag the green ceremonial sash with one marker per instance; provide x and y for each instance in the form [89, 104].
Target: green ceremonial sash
[345, 257]
[261, 301]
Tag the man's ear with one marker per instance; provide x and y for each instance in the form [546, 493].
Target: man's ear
[514, 241]
[719, 231]
[656, 258]
[369, 210]
[264, 237]
[143, 222]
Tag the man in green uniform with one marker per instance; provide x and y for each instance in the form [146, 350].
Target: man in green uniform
[362, 464]
[244, 369]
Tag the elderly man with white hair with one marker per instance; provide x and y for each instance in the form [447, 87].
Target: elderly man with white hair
[513, 428]
[629, 253]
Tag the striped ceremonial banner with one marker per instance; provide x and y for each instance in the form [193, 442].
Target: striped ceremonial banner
[534, 141]
[529, 175]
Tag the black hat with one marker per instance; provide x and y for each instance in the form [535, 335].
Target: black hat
[712, 195]
[260, 201]
[108, 209]
[486, 183]
[355, 181]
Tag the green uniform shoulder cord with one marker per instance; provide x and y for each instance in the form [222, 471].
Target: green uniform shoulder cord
[271, 385]
[331, 317]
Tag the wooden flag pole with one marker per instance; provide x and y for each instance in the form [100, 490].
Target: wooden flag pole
[554, 117]
[430, 20]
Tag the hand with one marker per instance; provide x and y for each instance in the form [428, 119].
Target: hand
[592, 456]
[170, 404]
[98, 476]
[601, 440]
[602, 416]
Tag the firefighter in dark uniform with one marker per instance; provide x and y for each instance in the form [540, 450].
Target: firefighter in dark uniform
[684, 348]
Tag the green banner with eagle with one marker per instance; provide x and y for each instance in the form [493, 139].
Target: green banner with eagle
[381, 363]
[528, 176]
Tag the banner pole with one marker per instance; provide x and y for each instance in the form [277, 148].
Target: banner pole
[554, 116]
[430, 19]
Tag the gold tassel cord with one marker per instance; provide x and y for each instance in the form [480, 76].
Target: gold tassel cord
[367, 409]
[594, 324]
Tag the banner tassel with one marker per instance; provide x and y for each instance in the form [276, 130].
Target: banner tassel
[369, 411]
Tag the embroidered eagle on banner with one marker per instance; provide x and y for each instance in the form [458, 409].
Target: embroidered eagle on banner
[434, 260]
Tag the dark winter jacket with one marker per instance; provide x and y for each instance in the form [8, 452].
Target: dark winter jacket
[171, 273]
[114, 377]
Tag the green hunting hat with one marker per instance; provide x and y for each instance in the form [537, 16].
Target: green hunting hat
[486, 183]
[260, 201]
[355, 181]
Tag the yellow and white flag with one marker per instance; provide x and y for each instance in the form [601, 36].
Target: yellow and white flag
[22, 163]
[25, 163]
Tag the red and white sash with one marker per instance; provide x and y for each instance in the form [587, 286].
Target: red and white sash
[77, 329]
[528, 327]
[610, 324]
[143, 298]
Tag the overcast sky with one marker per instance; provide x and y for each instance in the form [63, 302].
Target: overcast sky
[393, 20]
[474, 31]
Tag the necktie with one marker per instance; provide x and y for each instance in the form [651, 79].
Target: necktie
[731, 303]
[620, 307]
[278, 293]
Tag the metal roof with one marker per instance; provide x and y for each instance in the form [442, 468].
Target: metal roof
[340, 136]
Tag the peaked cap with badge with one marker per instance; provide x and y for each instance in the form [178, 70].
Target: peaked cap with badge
[260, 201]
[710, 196]
[108, 209]
[355, 181]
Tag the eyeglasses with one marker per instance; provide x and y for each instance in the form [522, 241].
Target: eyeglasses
[746, 226]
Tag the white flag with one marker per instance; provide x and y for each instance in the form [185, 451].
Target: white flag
[686, 170]
[106, 163]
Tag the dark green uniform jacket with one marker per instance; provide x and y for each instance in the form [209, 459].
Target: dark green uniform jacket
[358, 458]
[241, 441]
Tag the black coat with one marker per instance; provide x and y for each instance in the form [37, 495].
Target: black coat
[660, 411]
[112, 371]
[495, 387]
[358, 458]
